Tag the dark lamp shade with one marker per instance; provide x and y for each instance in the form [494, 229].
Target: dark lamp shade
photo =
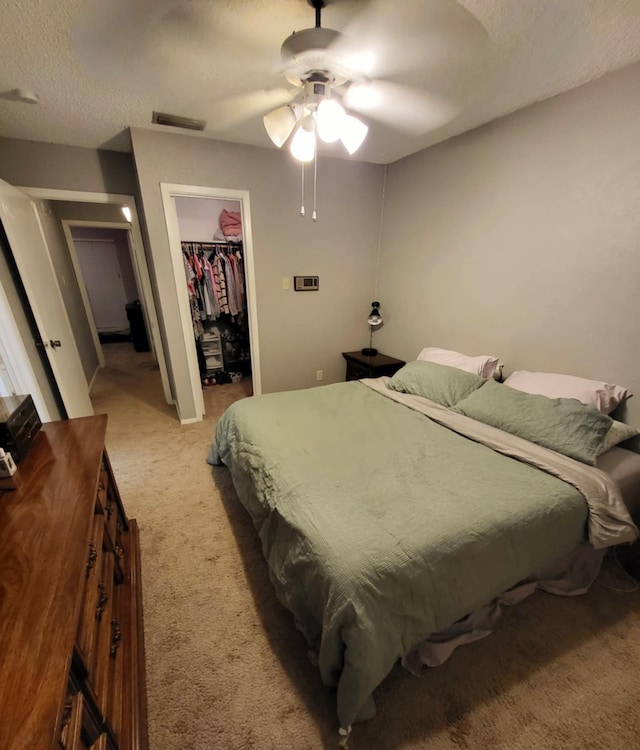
[374, 318]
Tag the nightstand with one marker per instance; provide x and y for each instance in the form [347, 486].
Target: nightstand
[361, 366]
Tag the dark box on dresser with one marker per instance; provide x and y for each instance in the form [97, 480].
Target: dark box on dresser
[19, 424]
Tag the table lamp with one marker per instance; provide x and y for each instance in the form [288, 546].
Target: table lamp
[374, 320]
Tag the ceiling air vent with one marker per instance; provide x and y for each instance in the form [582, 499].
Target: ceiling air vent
[175, 121]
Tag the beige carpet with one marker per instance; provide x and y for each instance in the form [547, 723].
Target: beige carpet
[227, 669]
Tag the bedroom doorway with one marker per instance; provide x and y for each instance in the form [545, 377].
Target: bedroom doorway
[104, 264]
[109, 203]
[192, 215]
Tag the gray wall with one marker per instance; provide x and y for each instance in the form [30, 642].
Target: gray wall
[522, 239]
[53, 166]
[299, 332]
[76, 211]
[49, 165]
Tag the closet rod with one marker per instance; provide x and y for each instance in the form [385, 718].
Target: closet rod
[212, 244]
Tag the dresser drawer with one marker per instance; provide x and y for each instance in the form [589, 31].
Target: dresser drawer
[80, 728]
[70, 733]
[355, 372]
[93, 591]
[103, 484]
[101, 665]
[116, 699]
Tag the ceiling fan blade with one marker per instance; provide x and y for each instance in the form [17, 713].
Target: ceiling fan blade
[405, 108]
[114, 38]
[426, 35]
[235, 110]
[108, 36]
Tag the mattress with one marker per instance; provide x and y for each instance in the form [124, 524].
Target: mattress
[381, 524]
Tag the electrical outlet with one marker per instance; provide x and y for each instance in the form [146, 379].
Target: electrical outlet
[319, 375]
[285, 282]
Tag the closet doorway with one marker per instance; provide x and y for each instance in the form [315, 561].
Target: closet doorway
[212, 256]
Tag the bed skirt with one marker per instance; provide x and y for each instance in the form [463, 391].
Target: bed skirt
[568, 576]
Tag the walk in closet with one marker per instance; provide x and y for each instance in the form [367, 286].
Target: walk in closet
[213, 255]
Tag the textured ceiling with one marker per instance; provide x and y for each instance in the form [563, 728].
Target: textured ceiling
[99, 72]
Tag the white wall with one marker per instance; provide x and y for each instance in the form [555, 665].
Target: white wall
[522, 239]
[198, 218]
[119, 238]
[299, 332]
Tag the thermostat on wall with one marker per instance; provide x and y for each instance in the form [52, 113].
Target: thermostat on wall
[306, 283]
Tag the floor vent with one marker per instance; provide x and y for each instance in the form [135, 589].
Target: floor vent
[175, 121]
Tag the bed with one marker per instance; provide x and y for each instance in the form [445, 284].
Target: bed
[386, 515]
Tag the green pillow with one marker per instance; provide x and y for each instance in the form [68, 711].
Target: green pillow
[441, 383]
[564, 425]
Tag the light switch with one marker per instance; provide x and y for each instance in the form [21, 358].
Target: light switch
[285, 282]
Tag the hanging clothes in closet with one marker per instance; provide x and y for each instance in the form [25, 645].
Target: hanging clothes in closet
[215, 277]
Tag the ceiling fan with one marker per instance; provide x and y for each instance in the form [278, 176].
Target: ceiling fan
[406, 65]
[332, 78]
[318, 74]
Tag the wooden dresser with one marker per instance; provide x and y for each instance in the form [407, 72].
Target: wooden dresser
[71, 642]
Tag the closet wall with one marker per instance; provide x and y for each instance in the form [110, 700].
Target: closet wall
[224, 350]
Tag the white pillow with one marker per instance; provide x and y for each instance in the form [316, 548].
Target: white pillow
[485, 366]
[618, 433]
[604, 396]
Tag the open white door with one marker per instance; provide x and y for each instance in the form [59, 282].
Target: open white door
[23, 230]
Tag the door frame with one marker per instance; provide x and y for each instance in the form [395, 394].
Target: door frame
[169, 191]
[140, 266]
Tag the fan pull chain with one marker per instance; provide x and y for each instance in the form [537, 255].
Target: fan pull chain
[302, 191]
[314, 215]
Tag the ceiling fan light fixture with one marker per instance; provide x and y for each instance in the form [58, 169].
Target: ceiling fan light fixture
[330, 120]
[362, 96]
[279, 124]
[303, 145]
[308, 122]
[354, 131]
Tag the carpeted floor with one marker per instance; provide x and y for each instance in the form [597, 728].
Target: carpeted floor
[226, 668]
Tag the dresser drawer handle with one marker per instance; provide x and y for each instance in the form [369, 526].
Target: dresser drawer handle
[116, 637]
[93, 556]
[103, 598]
[118, 551]
[109, 508]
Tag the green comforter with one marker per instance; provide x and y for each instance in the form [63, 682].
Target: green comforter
[381, 526]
